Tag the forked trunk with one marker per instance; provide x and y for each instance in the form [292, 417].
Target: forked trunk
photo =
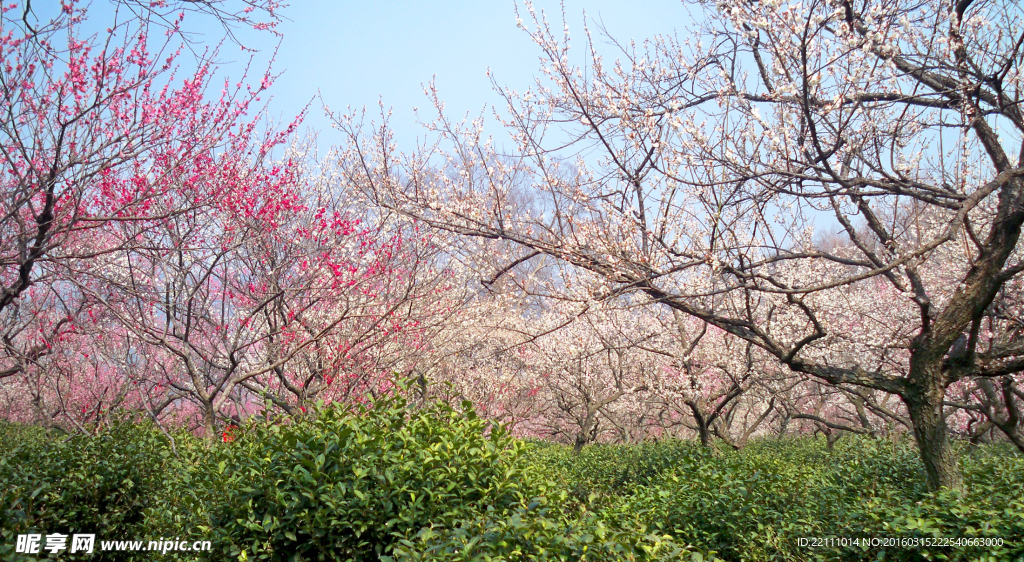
[702, 424]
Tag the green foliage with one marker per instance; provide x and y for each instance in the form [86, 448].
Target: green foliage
[600, 473]
[535, 533]
[756, 503]
[80, 484]
[341, 485]
[402, 484]
[14, 435]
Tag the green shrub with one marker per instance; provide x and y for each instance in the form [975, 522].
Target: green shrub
[100, 484]
[755, 504]
[401, 484]
[600, 474]
[743, 507]
[991, 505]
[535, 533]
[13, 435]
[341, 485]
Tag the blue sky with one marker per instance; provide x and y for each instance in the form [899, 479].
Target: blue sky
[356, 53]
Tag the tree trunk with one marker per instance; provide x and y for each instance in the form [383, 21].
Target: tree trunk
[209, 425]
[578, 444]
[705, 435]
[784, 426]
[586, 430]
[925, 407]
[831, 436]
[702, 424]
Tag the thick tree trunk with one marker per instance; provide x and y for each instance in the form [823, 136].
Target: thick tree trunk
[577, 446]
[831, 436]
[702, 424]
[705, 435]
[925, 406]
[586, 431]
[209, 425]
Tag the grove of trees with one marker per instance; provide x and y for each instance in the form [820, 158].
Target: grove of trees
[803, 218]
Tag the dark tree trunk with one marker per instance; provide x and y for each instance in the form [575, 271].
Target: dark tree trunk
[702, 424]
[924, 403]
[577, 446]
[831, 436]
[705, 435]
[587, 430]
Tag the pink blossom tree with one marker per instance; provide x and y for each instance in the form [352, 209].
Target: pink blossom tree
[269, 292]
[81, 112]
[707, 377]
[95, 128]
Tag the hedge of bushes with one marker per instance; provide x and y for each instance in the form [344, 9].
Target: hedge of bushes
[109, 484]
[383, 482]
[402, 484]
[756, 503]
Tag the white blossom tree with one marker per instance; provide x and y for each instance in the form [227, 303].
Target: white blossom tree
[694, 172]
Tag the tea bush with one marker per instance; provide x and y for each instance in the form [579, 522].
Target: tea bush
[399, 483]
[347, 485]
[100, 484]
[756, 503]
[601, 473]
[536, 533]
